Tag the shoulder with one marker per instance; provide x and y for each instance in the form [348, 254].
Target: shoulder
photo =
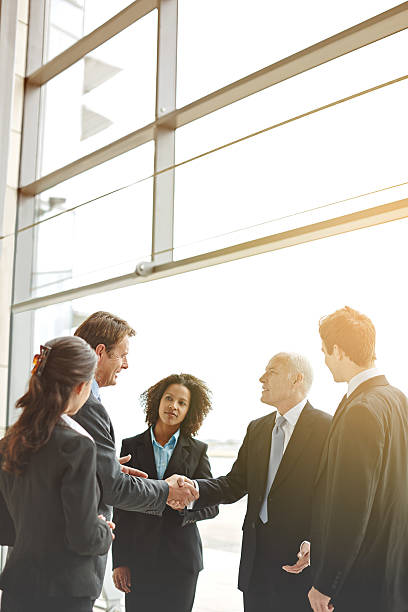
[92, 412]
[134, 441]
[197, 445]
[319, 416]
[258, 425]
[69, 441]
[137, 438]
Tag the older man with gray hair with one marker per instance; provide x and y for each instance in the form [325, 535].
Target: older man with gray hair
[276, 467]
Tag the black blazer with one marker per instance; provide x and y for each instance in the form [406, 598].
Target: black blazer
[173, 538]
[360, 546]
[118, 489]
[290, 497]
[54, 530]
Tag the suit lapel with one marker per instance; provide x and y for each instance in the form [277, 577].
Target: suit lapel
[300, 436]
[178, 463]
[144, 455]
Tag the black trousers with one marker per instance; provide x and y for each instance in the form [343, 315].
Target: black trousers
[272, 600]
[12, 602]
[173, 592]
[271, 589]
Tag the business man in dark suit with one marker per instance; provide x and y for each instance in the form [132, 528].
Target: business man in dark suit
[276, 467]
[360, 537]
[109, 336]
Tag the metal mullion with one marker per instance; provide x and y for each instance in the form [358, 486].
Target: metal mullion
[163, 184]
[8, 34]
[113, 149]
[362, 219]
[358, 36]
[91, 41]
[22, 326]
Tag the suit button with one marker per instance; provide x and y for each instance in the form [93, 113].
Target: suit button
[253, 525]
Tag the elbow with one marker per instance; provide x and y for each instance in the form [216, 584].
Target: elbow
[90, 544]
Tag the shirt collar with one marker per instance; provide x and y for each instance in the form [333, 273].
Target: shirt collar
[171, 443]
[95, 390]
[76, 426]
[293, 414]
[358, 379]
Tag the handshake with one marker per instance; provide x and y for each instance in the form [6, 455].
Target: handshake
[181, 492]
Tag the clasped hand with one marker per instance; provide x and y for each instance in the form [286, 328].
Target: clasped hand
[181, 492]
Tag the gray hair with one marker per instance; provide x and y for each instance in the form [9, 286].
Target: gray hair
[298, 364]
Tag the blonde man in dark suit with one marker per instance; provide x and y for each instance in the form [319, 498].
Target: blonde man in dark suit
[360, 539]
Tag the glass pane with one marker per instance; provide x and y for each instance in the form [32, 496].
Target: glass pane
[70, 20]
[111, 234]
[372, 65]
[108, 94]
[247, 36]
[259, 186]
[227, 336]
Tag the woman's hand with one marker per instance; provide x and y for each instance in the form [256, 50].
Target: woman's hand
[121, 578]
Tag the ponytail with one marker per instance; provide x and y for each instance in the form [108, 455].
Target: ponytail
[70, 362]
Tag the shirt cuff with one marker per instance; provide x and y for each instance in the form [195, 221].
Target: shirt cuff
[191, 504]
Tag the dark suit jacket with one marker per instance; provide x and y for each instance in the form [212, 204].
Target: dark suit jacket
[290, 497]
[145, 542]
[360, 546]
[53, 506]
[118, 489]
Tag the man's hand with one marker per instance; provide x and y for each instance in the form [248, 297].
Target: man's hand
[129, 470]
[302, 562]
[319, 602]
[181, 492]
[121, 579]
[110, 523]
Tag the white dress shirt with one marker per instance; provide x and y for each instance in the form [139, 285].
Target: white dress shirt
[291, 417]
[358, 379]
[76, 426]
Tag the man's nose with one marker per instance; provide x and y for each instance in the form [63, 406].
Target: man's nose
[125, 364]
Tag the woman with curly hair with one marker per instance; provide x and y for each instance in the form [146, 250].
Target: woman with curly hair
[48, 488]
[157, 559]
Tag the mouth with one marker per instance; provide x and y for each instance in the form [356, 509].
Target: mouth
[173, 414]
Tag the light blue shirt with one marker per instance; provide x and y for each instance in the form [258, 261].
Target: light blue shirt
[95, 390]
[162, 454]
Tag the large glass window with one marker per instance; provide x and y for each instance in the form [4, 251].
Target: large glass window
[221, 42]
[257, 186]
[108, 94]
[70, 20]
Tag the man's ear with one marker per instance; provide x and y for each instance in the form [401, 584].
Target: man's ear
[298, 379]
[338, 352]
[100, 349]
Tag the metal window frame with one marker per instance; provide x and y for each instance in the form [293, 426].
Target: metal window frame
[372, 30]
[8, 34]
[385, 213]
[162, 131]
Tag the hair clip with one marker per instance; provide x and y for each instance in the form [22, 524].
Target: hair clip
[40, 360]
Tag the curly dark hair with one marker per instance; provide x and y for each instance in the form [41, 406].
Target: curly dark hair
[200, 402]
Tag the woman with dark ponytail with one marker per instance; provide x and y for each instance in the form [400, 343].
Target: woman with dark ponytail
[48, 488]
